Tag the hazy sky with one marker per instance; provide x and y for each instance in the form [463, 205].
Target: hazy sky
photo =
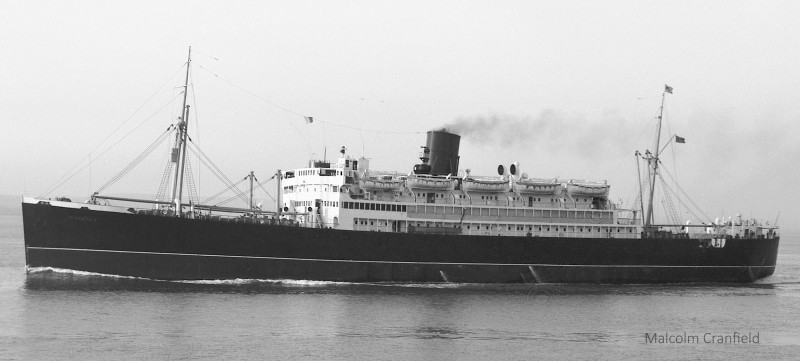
[572, 89]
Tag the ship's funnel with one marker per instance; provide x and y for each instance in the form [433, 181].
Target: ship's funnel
[443, 147]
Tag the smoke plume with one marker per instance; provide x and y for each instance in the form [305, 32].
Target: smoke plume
[550, 129]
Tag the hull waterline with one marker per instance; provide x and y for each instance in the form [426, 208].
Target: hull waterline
[168, 248]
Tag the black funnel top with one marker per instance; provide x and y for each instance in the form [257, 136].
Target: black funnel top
[443, 147]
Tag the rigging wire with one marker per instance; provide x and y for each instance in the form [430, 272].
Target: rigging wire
[688, 209]
[641, 134]
[138, 159]
[72, 172]
[161, 194]
[240, 194]
[230, 199]
[303, 117]
[261, 185]
[367, 130]
[192, 189]
[686, 196]
[196, 122]
[291, 124]
[669, 206]
[207, 161]
[115, 131]
[233, 186]
[674, 166]
[139, 108]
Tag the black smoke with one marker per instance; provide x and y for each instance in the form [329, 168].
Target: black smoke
[551, 129]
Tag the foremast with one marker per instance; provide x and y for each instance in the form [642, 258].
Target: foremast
[179, 150]
[652, 159]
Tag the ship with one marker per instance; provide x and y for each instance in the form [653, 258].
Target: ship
[343, 221]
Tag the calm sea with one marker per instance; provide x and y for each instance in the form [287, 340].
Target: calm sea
[62, 315]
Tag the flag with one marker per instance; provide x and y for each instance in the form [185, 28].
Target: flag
[667, 88]
[680, 139]
[309, 120]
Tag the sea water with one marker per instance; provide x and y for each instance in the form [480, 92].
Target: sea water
[58, 314]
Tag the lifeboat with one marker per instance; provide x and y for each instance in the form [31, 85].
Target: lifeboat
[384, 183]
[587, 188]
[484, 185]
[537, 186]
[429, 182]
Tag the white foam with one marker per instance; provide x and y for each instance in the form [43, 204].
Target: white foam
[245, 281]
[248, 281]
[448, 285]
[77, 273]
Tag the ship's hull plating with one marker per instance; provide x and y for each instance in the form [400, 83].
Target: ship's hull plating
[186, 249]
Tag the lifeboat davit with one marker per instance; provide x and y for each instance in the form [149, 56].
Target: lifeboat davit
[587, 188]
[386, 183]
[537, 186]
[430, 182]
[484, 185]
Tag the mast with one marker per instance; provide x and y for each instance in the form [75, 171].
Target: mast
[182, 162]
[654, 160]
[251, 176]
[179, 151]
[278, 205]
[639, 179]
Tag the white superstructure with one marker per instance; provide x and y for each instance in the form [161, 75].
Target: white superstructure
[348, 195]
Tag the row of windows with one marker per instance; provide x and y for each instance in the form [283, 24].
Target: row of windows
[311, 203]
[549, 228]
[496, 227]
[387, 207]
[529, 228]
[514, 198]
[510, 212]
[310, 188]
[318, 171]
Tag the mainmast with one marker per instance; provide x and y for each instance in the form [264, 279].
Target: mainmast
[179, 150]
[653, 160]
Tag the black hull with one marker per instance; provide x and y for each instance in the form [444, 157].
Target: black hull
[168, 248]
